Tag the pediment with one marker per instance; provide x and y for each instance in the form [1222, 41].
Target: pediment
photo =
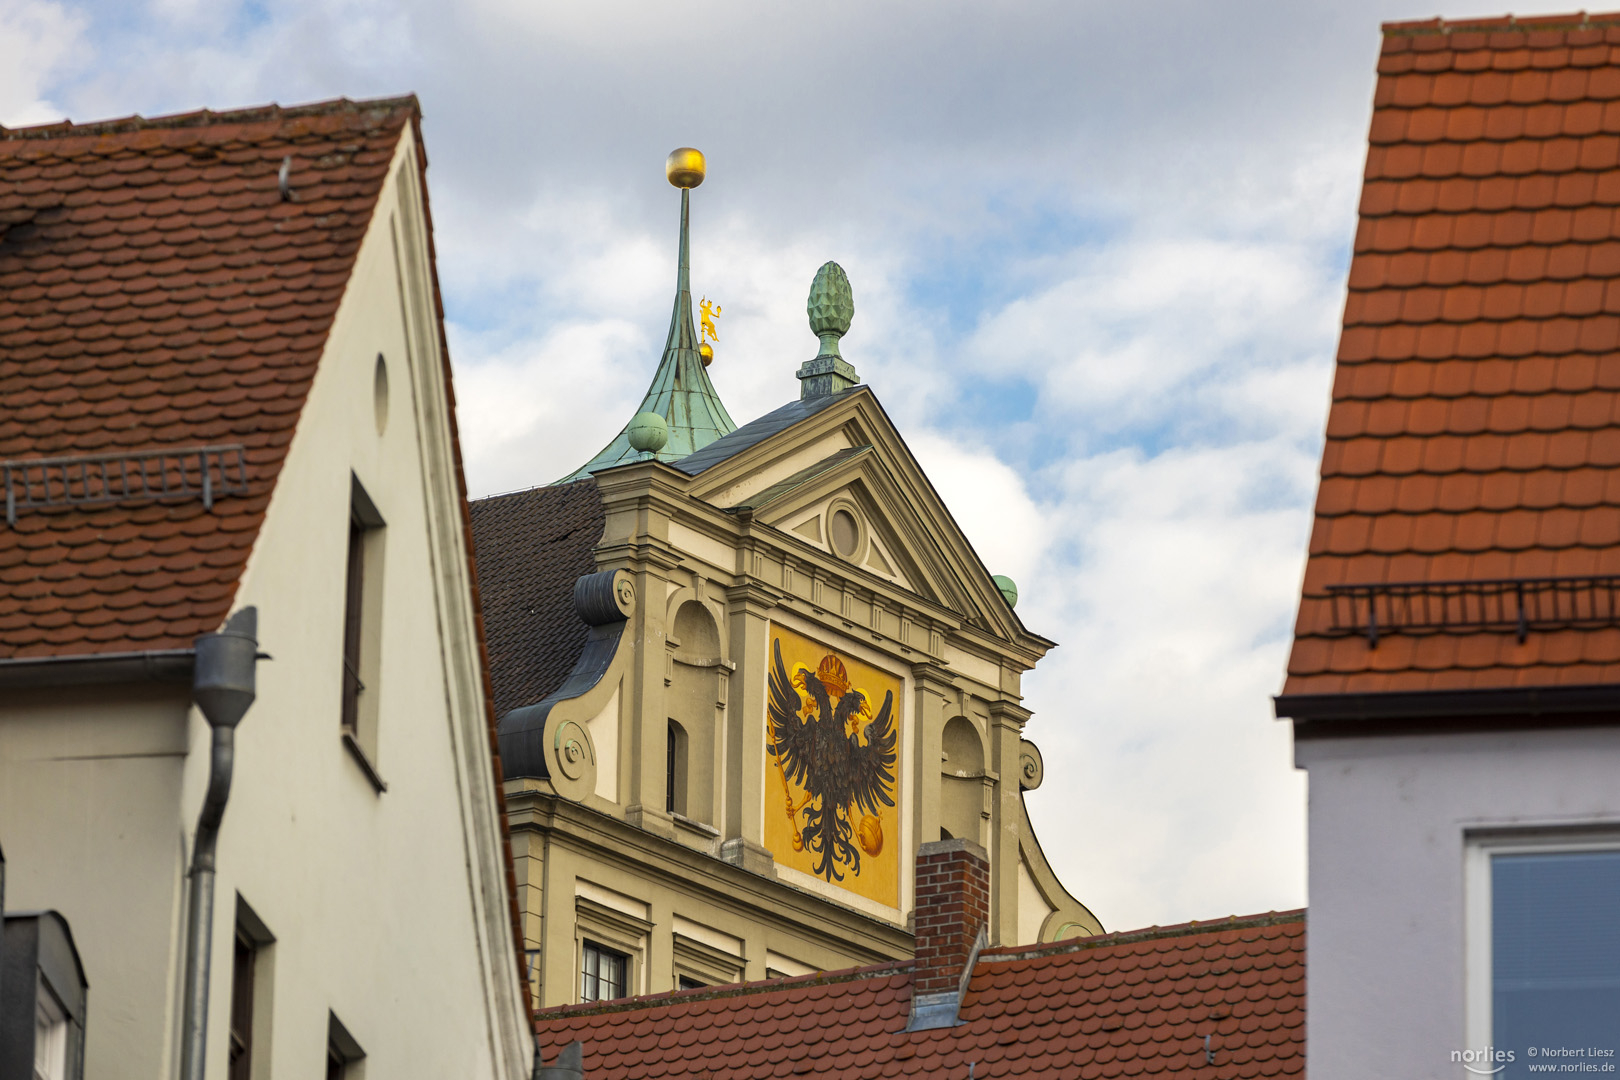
[843, 482]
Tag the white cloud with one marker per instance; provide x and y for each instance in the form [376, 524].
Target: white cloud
[36, 38]
[1142, 223]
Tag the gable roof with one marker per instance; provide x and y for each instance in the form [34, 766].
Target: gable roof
[1133, 1004]
[758, 430]
[532, 546]
[158, 292]
[1473, 442]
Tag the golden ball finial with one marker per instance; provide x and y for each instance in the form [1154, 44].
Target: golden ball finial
[685, 167]
[706, 351]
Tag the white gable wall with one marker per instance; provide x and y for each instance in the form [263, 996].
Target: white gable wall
[389, 908]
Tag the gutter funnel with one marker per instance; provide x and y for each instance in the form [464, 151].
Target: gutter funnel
[223, 687]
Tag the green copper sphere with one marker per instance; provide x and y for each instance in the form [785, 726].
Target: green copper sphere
[831, 305]
[648, 432]
[1009, 590]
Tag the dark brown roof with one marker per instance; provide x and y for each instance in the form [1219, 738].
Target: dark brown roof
[1474, 435]
[1122, 1005]
[158, 292]
[532, 546]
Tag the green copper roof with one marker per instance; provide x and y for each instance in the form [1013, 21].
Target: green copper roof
[680, 392]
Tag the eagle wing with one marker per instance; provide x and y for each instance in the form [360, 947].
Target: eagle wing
[871, 767]
[790, 736]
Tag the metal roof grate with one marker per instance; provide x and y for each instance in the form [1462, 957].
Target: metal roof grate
[1517, 604]
[205, 472]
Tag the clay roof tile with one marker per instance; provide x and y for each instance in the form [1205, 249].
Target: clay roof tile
[1480, 352]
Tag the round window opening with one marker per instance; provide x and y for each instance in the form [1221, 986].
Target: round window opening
[845, 533]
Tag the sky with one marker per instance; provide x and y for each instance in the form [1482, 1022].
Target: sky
[1098, 253]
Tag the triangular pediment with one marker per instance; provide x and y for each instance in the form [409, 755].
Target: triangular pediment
[836, 476]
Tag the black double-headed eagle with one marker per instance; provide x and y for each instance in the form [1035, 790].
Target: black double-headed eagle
[841, 766]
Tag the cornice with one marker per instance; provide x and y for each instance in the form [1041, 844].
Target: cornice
[767, 899]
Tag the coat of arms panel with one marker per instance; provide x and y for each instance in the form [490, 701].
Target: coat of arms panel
[831, 770]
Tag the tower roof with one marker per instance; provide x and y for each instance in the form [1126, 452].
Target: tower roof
[681, 392]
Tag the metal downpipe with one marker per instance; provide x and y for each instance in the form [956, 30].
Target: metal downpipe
[223, 688]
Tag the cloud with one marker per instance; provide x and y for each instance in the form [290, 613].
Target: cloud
[1098, 262]
[37, 38]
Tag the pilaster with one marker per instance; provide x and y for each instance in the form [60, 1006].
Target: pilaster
[748, 608]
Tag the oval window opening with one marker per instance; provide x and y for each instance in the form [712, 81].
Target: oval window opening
[379, 393]
[845, 533]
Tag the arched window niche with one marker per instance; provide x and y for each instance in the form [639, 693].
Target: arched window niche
[694, 702]
[961, 782]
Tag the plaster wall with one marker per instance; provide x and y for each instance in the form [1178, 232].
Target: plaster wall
[1388, 825]
[561, 866]
[91, 820]
[375, 896]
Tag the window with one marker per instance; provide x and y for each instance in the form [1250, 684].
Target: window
[1544, 946]
[604, 973]
[675, 770]
[696, 702]
[241, 1040]
[353, 610]
[250, 971]
[362, 625]
[611, 934]
[686, 982]
[343, 1053]
[50, 1036]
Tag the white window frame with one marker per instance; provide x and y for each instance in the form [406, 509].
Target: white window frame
[1481, 847]
[50, 1035]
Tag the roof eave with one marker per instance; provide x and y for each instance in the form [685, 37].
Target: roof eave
[1324, 715]
[97, 669]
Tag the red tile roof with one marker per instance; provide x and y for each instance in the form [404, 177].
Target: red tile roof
[1135, 1004]
[1474, 433]
[157, 291]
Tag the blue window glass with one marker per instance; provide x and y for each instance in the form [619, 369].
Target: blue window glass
[1555, 958]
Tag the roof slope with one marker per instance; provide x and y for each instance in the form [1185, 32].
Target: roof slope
[1474, 433]
[1136, 1004]
[158, 292]
[531, 547]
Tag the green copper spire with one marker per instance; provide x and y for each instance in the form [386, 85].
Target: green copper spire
[681, 392]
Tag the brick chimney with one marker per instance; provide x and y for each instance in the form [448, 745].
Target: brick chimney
[951, 924]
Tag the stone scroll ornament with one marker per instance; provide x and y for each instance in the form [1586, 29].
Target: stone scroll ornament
[834, 750]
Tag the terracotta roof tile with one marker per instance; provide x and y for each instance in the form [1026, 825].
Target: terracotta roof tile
[1475, 426]
[157, 292]
[1134, 1004]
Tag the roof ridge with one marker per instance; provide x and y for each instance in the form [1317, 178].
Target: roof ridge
[710, 993]
[203, 117]
[1005, 953]
[1574, 20]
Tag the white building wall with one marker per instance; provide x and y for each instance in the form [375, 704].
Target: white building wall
[389, 909]
[90, 819]
[376, 899]
[1389, 820]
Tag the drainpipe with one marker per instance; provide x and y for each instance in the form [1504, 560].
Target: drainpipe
[223, 688]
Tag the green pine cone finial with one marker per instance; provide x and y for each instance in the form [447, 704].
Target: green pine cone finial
[831, 307]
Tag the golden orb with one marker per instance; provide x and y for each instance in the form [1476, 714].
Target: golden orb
[685, 167]
[706, 351]
[870, 835]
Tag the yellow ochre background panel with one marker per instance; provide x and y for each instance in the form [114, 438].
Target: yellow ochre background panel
[879, 875]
